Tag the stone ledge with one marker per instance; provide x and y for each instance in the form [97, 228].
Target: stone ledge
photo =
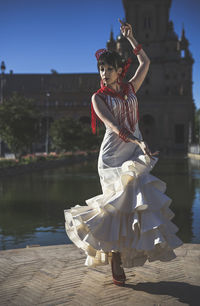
[47, 164]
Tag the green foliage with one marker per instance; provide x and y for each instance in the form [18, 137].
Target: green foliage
[70, 135]
[8, 163]
[19, 120]
[32, 158]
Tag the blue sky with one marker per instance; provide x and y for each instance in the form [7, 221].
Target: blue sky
[40, 35]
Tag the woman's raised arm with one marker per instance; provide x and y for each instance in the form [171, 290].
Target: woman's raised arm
[143, 59]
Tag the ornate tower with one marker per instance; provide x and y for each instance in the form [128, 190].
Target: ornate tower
[165, 98]
[111, 44]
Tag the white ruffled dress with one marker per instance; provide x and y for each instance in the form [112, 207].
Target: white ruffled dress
[132, 214]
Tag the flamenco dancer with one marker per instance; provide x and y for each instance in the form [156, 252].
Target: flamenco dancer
[129, 223]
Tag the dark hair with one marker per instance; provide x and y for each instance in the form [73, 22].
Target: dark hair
[111, 58]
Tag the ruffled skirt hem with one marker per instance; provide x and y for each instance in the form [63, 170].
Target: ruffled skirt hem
[132, 216]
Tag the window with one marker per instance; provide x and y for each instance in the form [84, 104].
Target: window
[181, 89]
[68, 103]
[167, 90]
[179, 133]
[147, 22]
[182, 53]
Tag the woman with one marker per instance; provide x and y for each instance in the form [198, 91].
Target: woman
[130, 221]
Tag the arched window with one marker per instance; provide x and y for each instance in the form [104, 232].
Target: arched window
[167, 90]
[181, 89]
[147, 22]
[182, 53]
[148, 129]
[179, 133]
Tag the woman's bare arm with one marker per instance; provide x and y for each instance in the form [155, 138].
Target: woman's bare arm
[104, 113]
[143, 59]
[107, 117]
[143, 67]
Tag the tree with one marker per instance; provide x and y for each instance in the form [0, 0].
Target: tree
[19, 119]
[70, 135]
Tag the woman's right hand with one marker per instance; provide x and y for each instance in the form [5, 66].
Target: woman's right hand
[126, 29]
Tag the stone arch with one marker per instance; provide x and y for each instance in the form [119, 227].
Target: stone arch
[147, 126]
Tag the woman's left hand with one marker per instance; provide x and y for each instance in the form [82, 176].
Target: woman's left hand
[143, 145]
[126, 29]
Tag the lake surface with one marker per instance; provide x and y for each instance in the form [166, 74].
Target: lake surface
[32, 205]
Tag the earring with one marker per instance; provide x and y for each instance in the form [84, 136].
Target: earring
[119, 79]
[102, 83]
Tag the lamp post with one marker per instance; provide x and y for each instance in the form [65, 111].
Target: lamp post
[47, 123]
[3, 68]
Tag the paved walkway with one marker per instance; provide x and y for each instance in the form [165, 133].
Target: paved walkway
[56, 275]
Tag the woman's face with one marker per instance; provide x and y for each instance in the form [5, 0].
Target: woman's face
[108, 74]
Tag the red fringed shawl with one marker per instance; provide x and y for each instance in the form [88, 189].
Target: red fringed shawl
[124, 95]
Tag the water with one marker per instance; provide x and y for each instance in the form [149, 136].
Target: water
[32, 205]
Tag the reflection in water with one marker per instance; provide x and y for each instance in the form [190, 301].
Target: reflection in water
[32, 205]
[180, 188]
[194, 175]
